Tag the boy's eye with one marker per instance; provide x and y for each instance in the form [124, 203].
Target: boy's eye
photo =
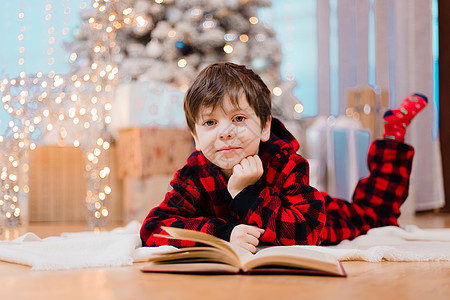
[239, 118]
[209, 123]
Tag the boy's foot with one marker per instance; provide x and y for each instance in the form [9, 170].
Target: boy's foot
[396, 120]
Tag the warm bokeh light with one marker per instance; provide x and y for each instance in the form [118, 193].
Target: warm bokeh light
[75, 107]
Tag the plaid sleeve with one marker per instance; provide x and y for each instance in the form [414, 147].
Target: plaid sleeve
[290, 210]
[180, 209]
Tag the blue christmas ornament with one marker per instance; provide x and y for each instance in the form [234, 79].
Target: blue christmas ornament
[185, 49]
[180, 45]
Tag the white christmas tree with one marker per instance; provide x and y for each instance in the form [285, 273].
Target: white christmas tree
[172, 40]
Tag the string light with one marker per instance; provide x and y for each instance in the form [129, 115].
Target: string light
[21, 36]
[277, 91]
[298, 108]
[253, 20]
[243, 38]
[228, 48]
[182, 63]
[67, 9]
[15, 139]
[109, 17]
[44, 103]
[50, 32]
[172, 34]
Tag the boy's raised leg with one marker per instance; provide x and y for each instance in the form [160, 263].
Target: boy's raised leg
[377, 198]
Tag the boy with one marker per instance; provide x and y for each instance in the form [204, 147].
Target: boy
[246, 184]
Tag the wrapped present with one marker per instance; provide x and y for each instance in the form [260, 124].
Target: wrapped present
[140, 195]
[58, 186]
[337, 150]
[142, 152]
[147, 104]
[368, 105]
[347, 160]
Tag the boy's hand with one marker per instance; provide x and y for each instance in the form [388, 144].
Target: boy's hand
[245, 173]
[246, 236]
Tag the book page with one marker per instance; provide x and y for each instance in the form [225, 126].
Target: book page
[293, 256]
[239, 254]
[303, 251]
[244, 255]
[189, 254]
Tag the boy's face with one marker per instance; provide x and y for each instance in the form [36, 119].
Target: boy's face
[228, 134]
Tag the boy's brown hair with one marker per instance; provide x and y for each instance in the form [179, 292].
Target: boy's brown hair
[224, 78]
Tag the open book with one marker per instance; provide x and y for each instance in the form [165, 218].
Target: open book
[219, 256]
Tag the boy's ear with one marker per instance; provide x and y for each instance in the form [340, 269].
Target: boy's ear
[265, 135]
[197, 144]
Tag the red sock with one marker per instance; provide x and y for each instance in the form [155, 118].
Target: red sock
[396, 120]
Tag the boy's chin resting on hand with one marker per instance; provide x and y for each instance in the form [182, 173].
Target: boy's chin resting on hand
[245, 173]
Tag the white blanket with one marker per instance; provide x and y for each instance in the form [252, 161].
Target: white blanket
[393, 243]
[121, 247]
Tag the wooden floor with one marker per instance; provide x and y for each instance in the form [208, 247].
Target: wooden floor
[385, 280]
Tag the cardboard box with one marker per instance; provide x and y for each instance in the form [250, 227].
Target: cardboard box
[58, 186]
[143, 152]
[140, 195]
[368, 106]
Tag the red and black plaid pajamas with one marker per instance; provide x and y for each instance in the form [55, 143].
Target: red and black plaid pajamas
[377, 198]
[282, 202]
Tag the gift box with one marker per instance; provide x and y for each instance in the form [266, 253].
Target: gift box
[347, 160]
[147, 104]
[58, 186]
[337, 152]
[142, 152]
[368, 105]
[140, 195]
